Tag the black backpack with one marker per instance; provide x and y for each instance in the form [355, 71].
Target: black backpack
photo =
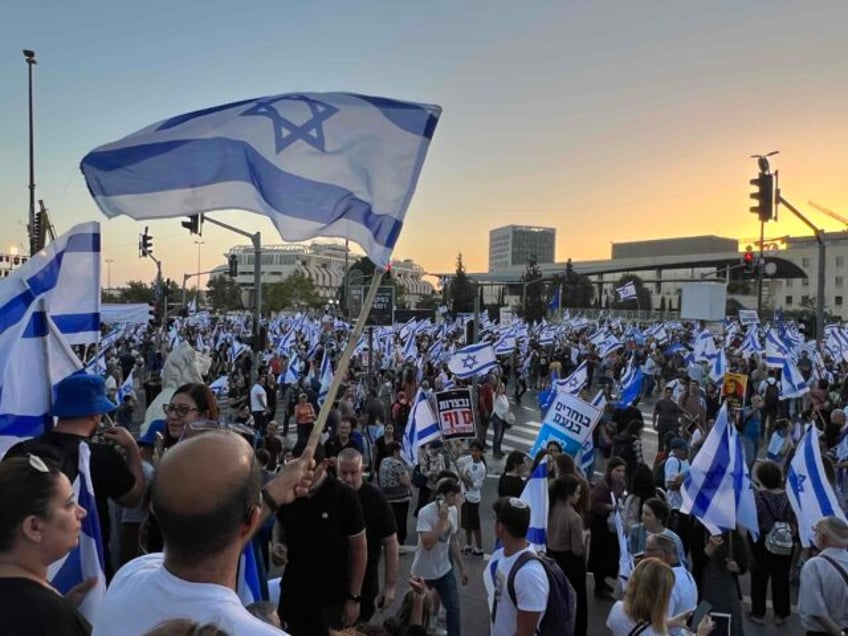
[772, 394]
[561, 610]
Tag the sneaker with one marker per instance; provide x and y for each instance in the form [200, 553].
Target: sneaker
[466, 549]
[477, 552]
[437, 631]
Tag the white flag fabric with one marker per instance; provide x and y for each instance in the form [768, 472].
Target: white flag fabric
[86, 560]
[810, 494]
[316, 164]
[535, 495]
[626, 291]
[472, 360]
[326, 378]
[422, 428]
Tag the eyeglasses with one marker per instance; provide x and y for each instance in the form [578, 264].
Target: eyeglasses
[180, 409]
[37, 463]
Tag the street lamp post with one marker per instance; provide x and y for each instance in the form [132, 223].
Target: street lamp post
[29, 56]
[109, 262]
[198, 242]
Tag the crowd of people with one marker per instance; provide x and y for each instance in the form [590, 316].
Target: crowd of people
[217, 471]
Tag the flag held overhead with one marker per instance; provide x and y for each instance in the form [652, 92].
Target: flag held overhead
[316, 164]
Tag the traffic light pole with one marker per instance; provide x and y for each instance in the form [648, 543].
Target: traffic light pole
[185, 280]
[256, 239]
[760, 264]
[819, 234]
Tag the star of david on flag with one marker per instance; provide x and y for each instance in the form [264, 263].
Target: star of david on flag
[316, 164]
[472, 360]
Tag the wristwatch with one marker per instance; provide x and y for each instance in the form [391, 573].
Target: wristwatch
[356, 598]
[269, 500]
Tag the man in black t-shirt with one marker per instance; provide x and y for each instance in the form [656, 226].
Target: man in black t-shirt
[326, 551]
[381, 534]
[80, 403]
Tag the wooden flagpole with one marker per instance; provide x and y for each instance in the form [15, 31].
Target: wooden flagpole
[344, 362]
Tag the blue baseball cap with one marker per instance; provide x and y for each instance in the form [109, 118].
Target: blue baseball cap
[80, 395]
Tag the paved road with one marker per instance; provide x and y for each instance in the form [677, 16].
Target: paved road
[475, 615]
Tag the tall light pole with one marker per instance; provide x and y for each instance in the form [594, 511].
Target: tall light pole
[109, 262]
[29, 56]
[198, 242]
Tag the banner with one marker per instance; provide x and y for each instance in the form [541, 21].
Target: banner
[734, 387]
[748, 317]
[455, 412]
[569, 421]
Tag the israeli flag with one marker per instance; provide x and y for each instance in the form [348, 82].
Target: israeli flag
[707, 490]
[625, 559]
[719, 367]
[810, 494]
[326, 378]
[776, 350]
[535, 495]
[751, 343]
[85, 561]
[587, 451]
[574, 382]
[37, 362]
[292, 374]
[632, 391]
[126, 387]
[248, 583]
[626, 291]
[316, 164]
[472, 360]
[221, 386]
[421, 429]
[743, 487]
[792, 383]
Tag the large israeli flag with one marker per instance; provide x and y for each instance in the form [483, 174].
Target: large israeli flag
[316, 164]
[472, 360]
[422, 428]
[535, 495]
[810, 494]
[85, 561]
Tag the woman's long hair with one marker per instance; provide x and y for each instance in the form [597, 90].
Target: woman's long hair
[649, 592]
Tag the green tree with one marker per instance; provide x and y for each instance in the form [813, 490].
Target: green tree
[534, 304]
[577, 289]
[461, 290]
[428, 302]
[298, 290]
[643, 296]
[224, 293]
[136, 291]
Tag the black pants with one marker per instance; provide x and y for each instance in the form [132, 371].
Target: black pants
[765, 566]
[260, 422]
[574, 566]
[311, 621]
[400, 509]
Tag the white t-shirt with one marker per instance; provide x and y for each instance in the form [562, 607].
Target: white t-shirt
[673, 467]
[531, 592]
[620, 624]
[144, 594]
[433, 563]
[477, 472]
[684, 594]
[258, 398]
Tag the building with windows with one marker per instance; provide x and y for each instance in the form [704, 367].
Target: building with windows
[9, 261]
[801, 294]
[516, 244]
[325, 264]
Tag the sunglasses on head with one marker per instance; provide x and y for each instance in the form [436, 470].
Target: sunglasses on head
[37, 463]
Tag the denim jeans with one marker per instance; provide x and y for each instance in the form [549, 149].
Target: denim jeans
[751, 448]
[499, 430]
[449, 595]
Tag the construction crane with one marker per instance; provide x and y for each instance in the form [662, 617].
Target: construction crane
[829, 213]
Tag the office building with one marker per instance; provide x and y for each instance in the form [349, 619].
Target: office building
[516, 244]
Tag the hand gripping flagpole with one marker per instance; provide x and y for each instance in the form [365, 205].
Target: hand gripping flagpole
[344, 362]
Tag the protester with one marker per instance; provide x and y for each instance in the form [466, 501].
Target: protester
[380, 532]
[472, 473]
[39, 524]
[684, 595]
[207, 498]
[717, 563]
[823, 593]
[396, 486]
[603, 551]
[511, 481]
[655, 514]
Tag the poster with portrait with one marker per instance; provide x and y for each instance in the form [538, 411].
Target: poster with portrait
[455, 412]
[734, 386]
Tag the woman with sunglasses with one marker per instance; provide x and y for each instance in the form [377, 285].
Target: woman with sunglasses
[192, 405]
[40, 524]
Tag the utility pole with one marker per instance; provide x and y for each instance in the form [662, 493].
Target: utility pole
[256, 239]
[29, 56]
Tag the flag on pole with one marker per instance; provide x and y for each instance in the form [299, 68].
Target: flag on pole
[574, 382]
[422, 428]
[248, 585]
[472, 360]
[326, 378]
[633, 390]
[626, 291]
[316, 164]
[625, 559]
[126, 387]
[85, 561]
[810, 494]
[535, 495]
[554, 302]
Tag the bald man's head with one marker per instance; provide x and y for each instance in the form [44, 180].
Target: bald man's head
[204, 491]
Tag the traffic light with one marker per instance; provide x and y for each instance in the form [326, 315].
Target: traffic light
[232, 263]
[145, 244]
[155, 320]
[194, 224]
[763, 195]
[749, 260]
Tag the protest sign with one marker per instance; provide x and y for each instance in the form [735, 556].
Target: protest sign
[568, 421]
[455, 411]
[734, 387]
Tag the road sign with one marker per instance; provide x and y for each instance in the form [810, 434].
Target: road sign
[383, 309]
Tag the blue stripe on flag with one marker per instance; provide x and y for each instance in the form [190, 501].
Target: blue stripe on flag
[24, 425]
[236, 161]
[409, 117]
[77, 323]
[815, 479]
[537, 536]
[713, 478]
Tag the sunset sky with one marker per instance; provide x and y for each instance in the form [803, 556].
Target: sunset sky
[611, 121]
